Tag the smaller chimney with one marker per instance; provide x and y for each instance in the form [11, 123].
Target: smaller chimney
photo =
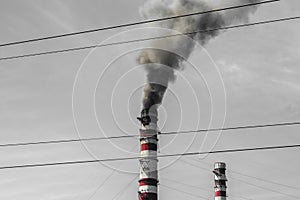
[220, 181]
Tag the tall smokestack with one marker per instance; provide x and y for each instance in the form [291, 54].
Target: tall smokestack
[161, 64]
[220, 181]
[148, 152]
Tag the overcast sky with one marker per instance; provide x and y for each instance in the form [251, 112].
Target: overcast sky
[259, 67]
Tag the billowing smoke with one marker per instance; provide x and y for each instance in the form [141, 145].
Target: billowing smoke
[161, 64]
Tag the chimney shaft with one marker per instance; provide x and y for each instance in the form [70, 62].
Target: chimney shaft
[220, 181]
[148, 157]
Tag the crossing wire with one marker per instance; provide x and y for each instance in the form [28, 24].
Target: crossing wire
[184, 192]
[160, 133]
[147, 39]
[134, 23]
[159, 156]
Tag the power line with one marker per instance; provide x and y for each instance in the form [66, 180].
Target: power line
[119, 194]
[264, 188]
[66, 141]
[160, 133]
[184, 192]
[266, 180]
[147, 39]
[107, 178]
[133, 24]
[185, 184]
[236, 128]
[159, 156]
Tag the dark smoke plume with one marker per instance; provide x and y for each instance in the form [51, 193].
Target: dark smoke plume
[160, 64]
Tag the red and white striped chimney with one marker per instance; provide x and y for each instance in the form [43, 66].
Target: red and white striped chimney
[148, 156]
[220, 181]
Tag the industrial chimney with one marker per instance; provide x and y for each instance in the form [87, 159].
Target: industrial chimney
[220, 181]
[148, 155]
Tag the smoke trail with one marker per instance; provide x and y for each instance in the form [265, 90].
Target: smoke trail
[158, 75]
